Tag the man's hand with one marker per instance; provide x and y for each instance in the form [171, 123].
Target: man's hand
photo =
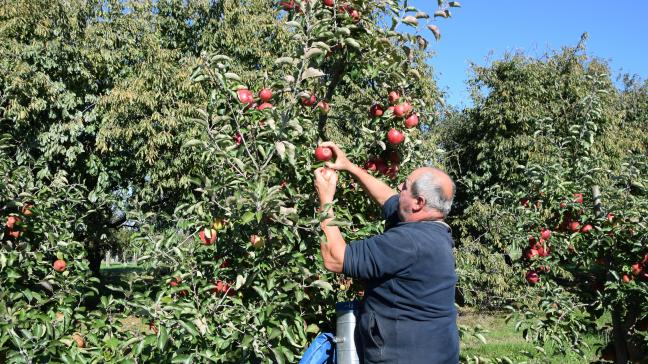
[342, 163]
[325, 184]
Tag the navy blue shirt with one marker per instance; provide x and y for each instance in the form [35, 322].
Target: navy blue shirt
[408, 313]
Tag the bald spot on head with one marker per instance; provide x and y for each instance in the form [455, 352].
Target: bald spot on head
[442, 178]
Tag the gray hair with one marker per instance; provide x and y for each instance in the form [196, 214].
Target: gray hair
[428, 187]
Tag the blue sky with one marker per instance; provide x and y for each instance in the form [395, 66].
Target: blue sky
[483, 30]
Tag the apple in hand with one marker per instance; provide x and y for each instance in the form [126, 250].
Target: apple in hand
[323, 154]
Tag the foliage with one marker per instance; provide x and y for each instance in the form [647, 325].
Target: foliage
[543, 137]
[128, 114]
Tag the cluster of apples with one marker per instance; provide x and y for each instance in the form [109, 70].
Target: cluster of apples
[386, 166]
[400, 110]
[246, 97]
[13, 225]
[538, 248]
[638, 270]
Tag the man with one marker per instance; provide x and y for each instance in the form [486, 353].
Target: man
[407, 313]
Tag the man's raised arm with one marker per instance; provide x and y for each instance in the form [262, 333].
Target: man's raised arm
[375, 188]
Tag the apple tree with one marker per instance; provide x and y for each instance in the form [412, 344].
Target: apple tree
[194, 124]
[554, 180]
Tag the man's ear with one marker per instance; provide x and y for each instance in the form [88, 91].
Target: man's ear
[420, 204]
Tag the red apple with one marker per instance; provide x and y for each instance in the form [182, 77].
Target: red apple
[574, 226]
[376, 111]
[324, 107]
[626, 278]
[12, 221]
[207, 240]
[14, 234]
[288, 5]
[532, 277]
[308, 101]
[636, 269]
[223, 287]
[265, 105]
[399, 111]
[393, 97]
[355, 15]
[610, 217]
[238, 139]
[532, 253]
[323, 153]
[543, 251]
[545, 234]
[395, 137]
[257, 241]
[59, 265]
[245, 96]
[381, 166]
[408, 107]
[578, 197]
[411, 121]
[328, 3]
[265, 95]
[587, 228]
[370, 165]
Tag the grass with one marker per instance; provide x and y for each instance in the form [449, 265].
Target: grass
[502, 340]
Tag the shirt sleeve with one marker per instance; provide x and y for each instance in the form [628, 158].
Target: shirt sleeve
[390, 212]
[380, 255]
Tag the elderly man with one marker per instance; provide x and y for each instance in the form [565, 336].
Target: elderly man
[408, 313]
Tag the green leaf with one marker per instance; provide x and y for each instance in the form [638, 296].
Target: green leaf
[311, 72]
[232, 76]
[190, 327]
[279, 357]
[247, 217]
[163, 337]
[322, 284]
[284, 60]
[352, 42]
[192, 143]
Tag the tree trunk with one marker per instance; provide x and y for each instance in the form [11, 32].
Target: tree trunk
[619, 332]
